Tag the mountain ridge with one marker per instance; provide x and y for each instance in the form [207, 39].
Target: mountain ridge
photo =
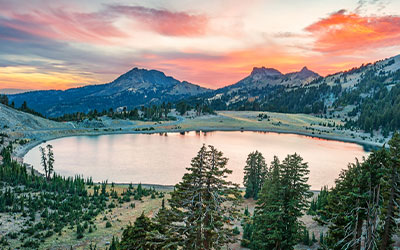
[132, 89]
[263, 86]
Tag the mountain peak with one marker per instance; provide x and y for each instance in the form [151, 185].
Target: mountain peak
[304, 69]
[265, 71]
[144, 71]
[305, 73]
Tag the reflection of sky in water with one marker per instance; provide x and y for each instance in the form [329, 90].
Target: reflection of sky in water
[162, 159]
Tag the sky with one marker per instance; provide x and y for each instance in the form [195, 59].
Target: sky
[72, 43]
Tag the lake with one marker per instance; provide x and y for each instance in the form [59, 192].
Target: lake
[162, 158]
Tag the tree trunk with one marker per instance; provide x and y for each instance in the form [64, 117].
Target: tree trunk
[357, 245]
[386, 237]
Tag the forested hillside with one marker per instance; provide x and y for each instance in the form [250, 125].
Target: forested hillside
[366, 97]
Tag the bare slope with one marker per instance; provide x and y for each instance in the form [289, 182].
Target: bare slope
[17, 120]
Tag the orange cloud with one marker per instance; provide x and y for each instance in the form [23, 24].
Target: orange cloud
[343, 31]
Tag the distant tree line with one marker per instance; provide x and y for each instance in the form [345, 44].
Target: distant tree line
[151, 113]
[280, 99]
[24, 106]
[199, 108]
[145, 113]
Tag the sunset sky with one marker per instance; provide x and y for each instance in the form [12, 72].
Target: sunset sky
[70, 43]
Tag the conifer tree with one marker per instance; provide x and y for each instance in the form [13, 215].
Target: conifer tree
[50, 161]
[343, 212]
[267, 228]
[47, 160]
[136, 236]
[283, 200]
[114, 244]
[161, 238]
[44, 160]
[354, 204]
[254, 174]
[391, 194]
[204, 203]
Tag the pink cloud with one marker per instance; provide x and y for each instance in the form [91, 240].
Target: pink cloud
[64, 25]
[165, 22]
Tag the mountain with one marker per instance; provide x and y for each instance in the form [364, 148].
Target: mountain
[366, 97]
[261, 82]
[262, 77]
[132, 89]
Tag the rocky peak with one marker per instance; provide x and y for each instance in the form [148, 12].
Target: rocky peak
[136, 77]
[265, 72]
[305, 69]
[304, 73]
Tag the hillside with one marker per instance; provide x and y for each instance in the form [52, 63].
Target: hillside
[132, 89]
[366, 97]
[20, 121]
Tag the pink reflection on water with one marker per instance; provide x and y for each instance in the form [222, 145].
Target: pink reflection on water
[163, 159]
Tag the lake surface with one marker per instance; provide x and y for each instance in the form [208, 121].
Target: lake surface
[162, 159]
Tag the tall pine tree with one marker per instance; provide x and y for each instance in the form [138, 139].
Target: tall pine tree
[283, 200]
[254, 174]
[391, 194]
[204, 203]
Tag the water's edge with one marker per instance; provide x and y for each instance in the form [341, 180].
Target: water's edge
[367, 146]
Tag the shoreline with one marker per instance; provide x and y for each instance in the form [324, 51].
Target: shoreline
[22, 150]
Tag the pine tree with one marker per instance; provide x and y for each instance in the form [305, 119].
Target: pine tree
[47, 160]
[254, 174]
[391, 194]
[283, 200]
[313, 239]
[79, 231]
[114, 244]
[343, 212]
[44, 160]
[135, 237]
[354, 204]
[321, 239]
[247, 234]
[267, 227]
[161, 238]
[50, 161]
[306, 237]
[246, 211]
[204, 203]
